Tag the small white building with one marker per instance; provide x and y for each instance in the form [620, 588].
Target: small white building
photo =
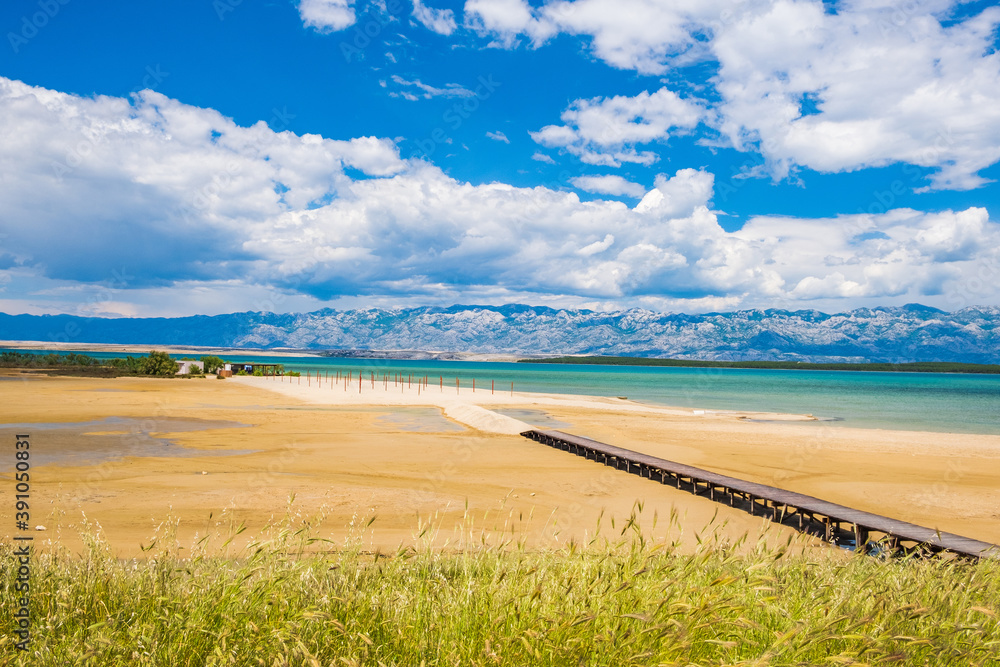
[185, 367]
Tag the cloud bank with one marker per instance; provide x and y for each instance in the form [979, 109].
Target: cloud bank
[177, 197]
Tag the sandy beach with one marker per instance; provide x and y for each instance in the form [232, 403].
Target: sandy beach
[204, 452]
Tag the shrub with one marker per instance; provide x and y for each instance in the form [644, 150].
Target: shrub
[212, 363]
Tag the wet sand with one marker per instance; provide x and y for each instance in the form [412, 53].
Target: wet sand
[404, 460]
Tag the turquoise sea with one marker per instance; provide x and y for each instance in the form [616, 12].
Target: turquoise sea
[942, 402]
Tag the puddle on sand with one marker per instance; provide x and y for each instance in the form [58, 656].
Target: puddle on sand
[423, 420]
[539, 418]
[111, 439]
[418, 419]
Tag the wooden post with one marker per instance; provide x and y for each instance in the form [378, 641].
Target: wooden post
[442, 382]
[493, 387]
[457, 390]
[473, 385]
[860, 538]
[511, 388]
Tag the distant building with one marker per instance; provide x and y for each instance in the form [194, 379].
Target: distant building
[185, 367]
[249, 367]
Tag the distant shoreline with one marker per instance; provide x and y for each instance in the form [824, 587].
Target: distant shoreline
[913, 367]
[440, 355]
[402, 355]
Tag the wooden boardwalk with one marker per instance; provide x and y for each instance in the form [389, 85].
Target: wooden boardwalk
[834, 523]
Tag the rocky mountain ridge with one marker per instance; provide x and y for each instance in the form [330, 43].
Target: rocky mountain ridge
[896, 334]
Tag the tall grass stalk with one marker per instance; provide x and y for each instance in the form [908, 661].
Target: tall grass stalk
[289, 597]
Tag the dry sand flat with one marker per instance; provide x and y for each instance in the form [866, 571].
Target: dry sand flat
[345, 454]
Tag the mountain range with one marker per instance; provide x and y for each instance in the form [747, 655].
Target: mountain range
[894, 334]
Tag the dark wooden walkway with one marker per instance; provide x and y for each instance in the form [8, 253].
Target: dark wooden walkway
[834, 523]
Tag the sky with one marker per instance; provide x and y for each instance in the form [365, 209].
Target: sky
[178, 157]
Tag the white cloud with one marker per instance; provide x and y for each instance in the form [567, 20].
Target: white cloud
[441, 21]
[327, 15]
[897, 253]
[679, 194]
[156, 201]
[542, 157]
[498, 136]
[506, 19]
[605, 131]
[889, 82]
[608, 185]
[890, 86]
[425, 91]
[629, 34]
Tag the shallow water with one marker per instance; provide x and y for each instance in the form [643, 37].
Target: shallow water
[111, 439]
[538, 418]
[943, 402]
[422, 420]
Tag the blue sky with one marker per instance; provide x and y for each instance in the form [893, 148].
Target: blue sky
[209, 156]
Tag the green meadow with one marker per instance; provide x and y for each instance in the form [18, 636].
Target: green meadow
[288, 596]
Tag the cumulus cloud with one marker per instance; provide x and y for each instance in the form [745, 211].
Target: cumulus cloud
[899, 252]
[167, 188]
[161, 198]
[608, 185]
[498, 136]
[441, 21]
[506, 20]
[630, 34]
[605, 131]
[932, 100]
[542, 157]
[871, 84]
[327, 15]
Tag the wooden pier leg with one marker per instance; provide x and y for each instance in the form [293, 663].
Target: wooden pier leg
[751, 506]
[860, 538]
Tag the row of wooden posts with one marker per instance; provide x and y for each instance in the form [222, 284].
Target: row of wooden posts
[398, 379]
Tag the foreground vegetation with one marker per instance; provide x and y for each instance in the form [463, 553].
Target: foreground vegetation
[630, 602]
[915, 367]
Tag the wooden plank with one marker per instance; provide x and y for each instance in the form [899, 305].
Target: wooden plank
[863, 522]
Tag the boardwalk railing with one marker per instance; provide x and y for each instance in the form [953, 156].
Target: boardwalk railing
[834, 523]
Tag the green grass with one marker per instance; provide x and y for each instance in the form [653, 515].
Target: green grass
[914, 367]
[488, 601]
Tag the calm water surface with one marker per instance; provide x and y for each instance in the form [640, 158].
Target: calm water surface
[942, 402]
